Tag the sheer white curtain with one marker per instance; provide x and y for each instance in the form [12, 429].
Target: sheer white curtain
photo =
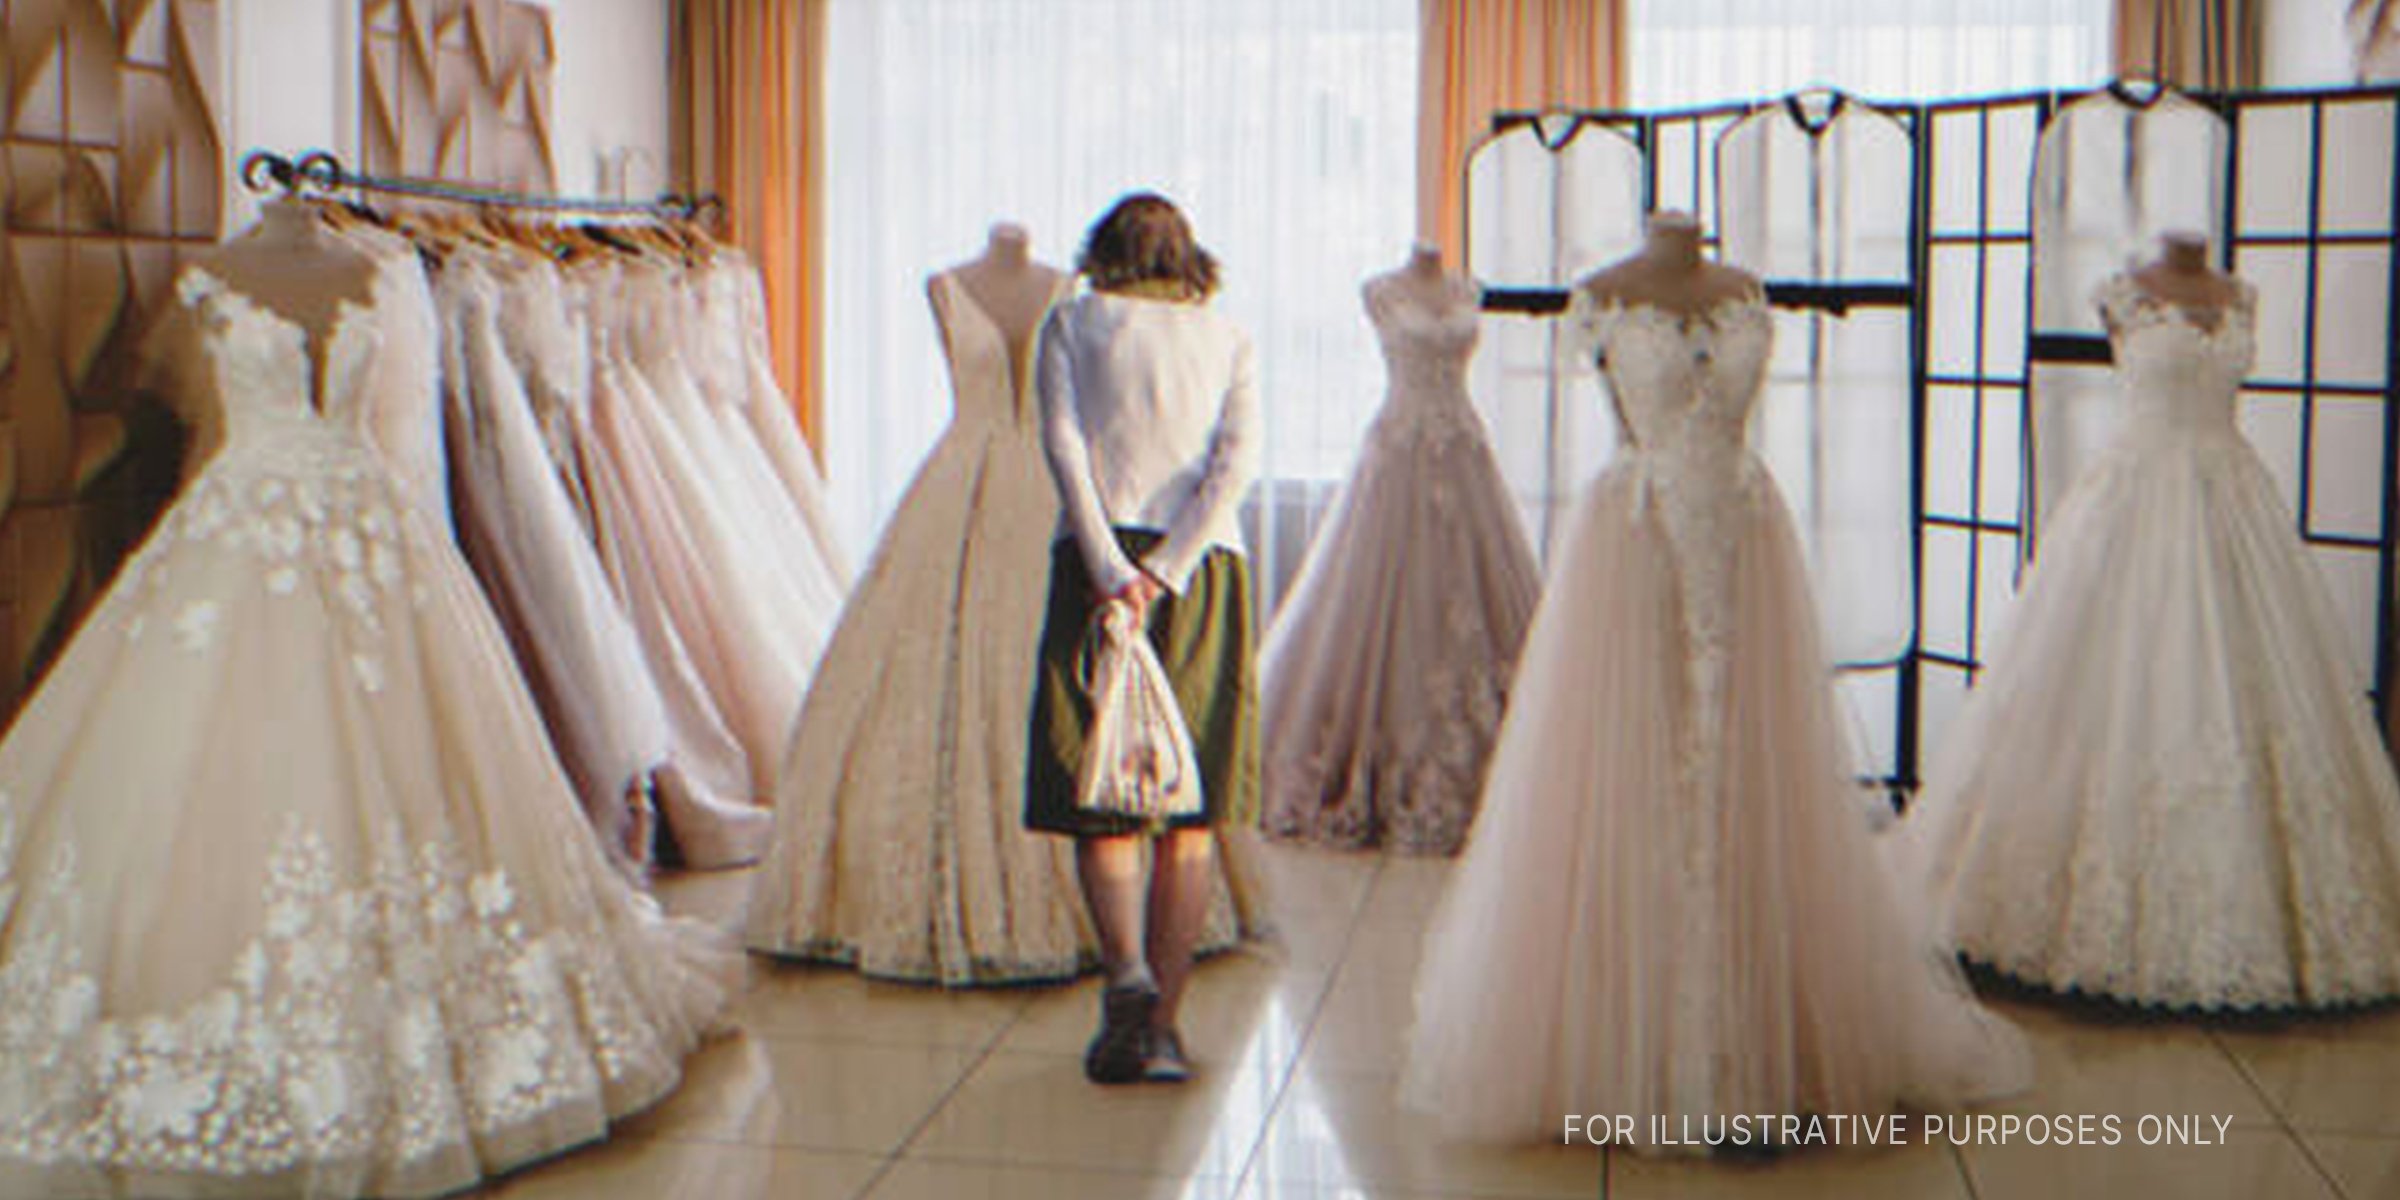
[1286, 129]
[1705, 51]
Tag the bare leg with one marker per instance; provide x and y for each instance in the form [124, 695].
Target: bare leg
[1179, 890]
[1111, 871]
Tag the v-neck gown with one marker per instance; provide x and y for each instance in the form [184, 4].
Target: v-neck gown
[897, 842]
[294, 897]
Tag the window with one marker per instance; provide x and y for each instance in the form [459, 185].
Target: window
[1690, 52]
[1285, 128]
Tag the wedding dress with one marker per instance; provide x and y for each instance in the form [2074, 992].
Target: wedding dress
[294, 898]
[770, 414]
[1669, 905]
[732, 618]
[2167, 789]
[899, 845]
[570, 371]
[520, 531]
[1386, 672]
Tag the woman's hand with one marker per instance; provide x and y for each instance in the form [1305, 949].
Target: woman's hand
[1139, 595]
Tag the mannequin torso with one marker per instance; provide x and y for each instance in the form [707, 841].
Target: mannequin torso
[2182, 276]
[1422, 281]
[1012, 289]
[292, 264]
[1669, 273]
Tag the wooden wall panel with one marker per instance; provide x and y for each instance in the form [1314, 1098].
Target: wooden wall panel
[110, 174]
[457, 90]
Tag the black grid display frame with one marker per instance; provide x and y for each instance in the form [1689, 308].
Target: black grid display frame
[2317, 411]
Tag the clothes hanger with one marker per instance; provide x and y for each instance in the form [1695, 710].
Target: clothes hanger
[1555, 127]
[1798, 104]
[2140, 89]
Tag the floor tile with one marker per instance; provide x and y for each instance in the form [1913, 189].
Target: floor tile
[2132, 1070]
[1408, 889]
[2373, 1025]
[2363, 1168]
[1314, 940]
[642, 1169]
[24, 1181]
[1364, 1023]
[1039, 1110]
[2254, 1164]
[918, 1179]
[833, 1003]
[1386, 948]
[1239, 1010]
[1284, 1189]
[814, 1095]
[1914, 1172]
[1346, 1128]
[1301, 880]
[2325, 1085]
[721, 898]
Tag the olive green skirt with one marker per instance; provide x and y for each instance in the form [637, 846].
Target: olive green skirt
[1203, 638]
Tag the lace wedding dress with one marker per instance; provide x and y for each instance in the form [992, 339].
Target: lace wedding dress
[899, 845]
[2168, 788]
[1669, 904]
[294, 898]
[1387, 670]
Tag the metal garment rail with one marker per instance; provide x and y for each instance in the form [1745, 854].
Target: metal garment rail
[1972, 234]
[318, 171]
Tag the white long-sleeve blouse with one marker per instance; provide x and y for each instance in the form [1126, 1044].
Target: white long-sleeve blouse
[1150, 417]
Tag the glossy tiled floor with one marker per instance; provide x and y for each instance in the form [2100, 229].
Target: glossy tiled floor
[840, 1088]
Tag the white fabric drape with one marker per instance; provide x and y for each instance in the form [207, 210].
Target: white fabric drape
[1548, 202]
[1286, 129]
[1703, 51]
[2110, 174]
[1816, 189]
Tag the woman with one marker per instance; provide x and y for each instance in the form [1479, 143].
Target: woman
[1150, 420]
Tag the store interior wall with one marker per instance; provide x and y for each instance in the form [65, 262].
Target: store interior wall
[612, 90]
[293, 68]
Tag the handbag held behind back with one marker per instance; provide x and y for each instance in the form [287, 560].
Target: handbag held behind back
[1137, 755]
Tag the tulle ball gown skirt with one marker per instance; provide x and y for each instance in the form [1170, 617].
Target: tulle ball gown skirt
[294, 899]
[1670, 905]
[2168, 789]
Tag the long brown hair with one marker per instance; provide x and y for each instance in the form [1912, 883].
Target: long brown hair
[1144, 239]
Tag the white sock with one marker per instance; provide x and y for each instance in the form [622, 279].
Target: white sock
[1123, 974]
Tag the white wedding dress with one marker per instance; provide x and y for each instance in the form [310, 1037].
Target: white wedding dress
[2168, 788]
[294, 897]
[522, 535]
[1669, 905]
[1386, 672]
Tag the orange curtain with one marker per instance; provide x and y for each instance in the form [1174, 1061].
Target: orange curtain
[750, 76]
[1478, 57]
[2211, 45]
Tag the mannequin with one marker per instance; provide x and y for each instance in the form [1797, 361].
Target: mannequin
[1013, 290]
[2182, 276]
[1423, 280]
[290, 263]
[1669, 272]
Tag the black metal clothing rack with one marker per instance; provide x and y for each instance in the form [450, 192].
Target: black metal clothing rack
[320, 172]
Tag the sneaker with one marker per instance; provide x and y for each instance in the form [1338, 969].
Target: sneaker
[1119, 1052]
[1164, 1062]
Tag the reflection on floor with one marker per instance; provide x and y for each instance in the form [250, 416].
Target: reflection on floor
[841, 1088]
